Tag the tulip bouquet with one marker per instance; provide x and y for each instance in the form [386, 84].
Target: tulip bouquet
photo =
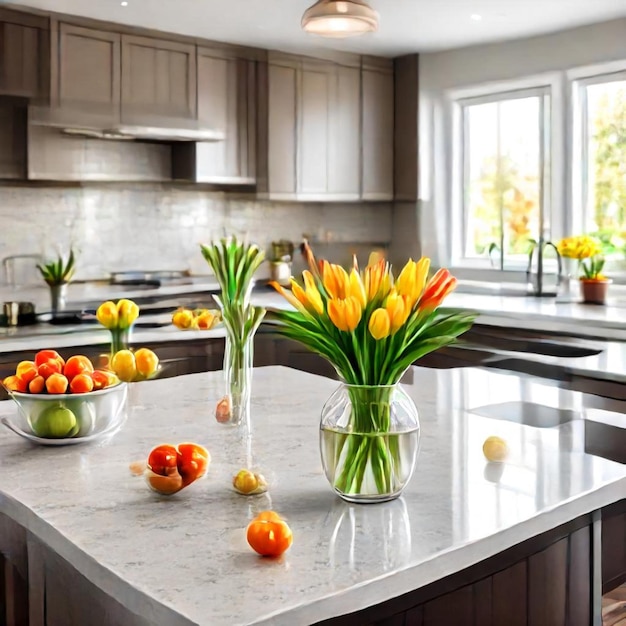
[234, 263]
[118, 318]
[588, 251]
[371, 328]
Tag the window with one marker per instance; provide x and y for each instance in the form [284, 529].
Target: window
[602, 106]
[505, 182]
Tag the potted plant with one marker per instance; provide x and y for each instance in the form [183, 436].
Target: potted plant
[58, 274]
[589, 253]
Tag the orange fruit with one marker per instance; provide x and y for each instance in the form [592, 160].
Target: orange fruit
[49, 367]
[56, 383]
[81, 383]
[26, 370]
[124, 365]
[268, 534]
[36, 385]
[103, 378]
[15, 383]
[205, 321]
[76, 365]
[46, 355]
[165, 485]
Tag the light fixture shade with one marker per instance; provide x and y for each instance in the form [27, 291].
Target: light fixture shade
[340, 18]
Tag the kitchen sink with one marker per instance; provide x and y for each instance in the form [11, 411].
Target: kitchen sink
[527, 413]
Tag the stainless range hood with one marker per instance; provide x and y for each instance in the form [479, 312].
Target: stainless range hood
[99, 127]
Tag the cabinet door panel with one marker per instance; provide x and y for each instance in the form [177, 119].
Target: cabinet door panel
[377, 135]
[314, 125]
[282, 129]
[21, 62]
[344, 154]
[158, 79]
[89, 69]
[224, 86]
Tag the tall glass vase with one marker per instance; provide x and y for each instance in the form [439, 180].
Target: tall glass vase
[234, 407]
[369, 439]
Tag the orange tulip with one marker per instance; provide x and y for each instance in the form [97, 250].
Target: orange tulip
[379, 324]
[412, 278]
[345, 313]
[438, 287]
[335, 280]
[377, 280]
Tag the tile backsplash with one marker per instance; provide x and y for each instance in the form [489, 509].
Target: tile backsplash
[155, 227]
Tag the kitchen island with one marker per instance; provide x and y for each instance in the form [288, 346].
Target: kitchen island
[91, 544]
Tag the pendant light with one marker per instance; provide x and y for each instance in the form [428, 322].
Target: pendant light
[340, 18]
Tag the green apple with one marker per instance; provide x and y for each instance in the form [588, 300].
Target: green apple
[55, 422]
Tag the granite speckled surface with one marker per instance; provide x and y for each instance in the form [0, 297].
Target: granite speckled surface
[184, 560]
[602, 327]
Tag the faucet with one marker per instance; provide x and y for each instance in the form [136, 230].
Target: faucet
[537, 286]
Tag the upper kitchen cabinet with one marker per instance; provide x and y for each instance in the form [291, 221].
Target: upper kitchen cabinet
[24, 54]
[377, 129]
[158, 80]
[226, 104]
[309, 144]
[88, 72]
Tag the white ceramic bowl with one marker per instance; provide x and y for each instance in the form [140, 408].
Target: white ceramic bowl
[93, 413]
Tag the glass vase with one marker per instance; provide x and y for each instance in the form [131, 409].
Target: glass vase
[369, 440]
[120, 339]
[234, 407]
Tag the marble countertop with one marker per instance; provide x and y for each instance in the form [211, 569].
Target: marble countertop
[183, 560]
[602, 327]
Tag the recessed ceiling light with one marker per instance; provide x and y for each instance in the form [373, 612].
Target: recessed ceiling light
[124, 3]
[476, 17]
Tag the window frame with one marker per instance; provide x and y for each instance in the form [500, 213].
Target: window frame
[556, 190]
[580, 146]
[543, 93]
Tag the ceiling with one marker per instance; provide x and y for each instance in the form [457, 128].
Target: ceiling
[405, 25]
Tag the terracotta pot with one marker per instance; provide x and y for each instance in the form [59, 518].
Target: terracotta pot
[594, 291]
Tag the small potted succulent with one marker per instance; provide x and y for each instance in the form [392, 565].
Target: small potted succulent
[58, 274]
[588, 251]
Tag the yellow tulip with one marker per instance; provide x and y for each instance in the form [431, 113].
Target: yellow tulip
[398, 308]
[127, 313]
[107, 314]
[357, 288]
[313, 295]
[345, 313]
[289, 296]
[379, 324]
[412, 279]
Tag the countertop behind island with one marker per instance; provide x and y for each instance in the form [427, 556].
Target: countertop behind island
[184, 559]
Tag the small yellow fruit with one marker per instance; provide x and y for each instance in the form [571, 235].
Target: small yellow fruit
[147, 362]
[183, 318]
[495, 449]
[123, 364]
[248, 483]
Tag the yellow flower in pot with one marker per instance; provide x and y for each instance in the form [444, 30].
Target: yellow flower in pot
[588, 251]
